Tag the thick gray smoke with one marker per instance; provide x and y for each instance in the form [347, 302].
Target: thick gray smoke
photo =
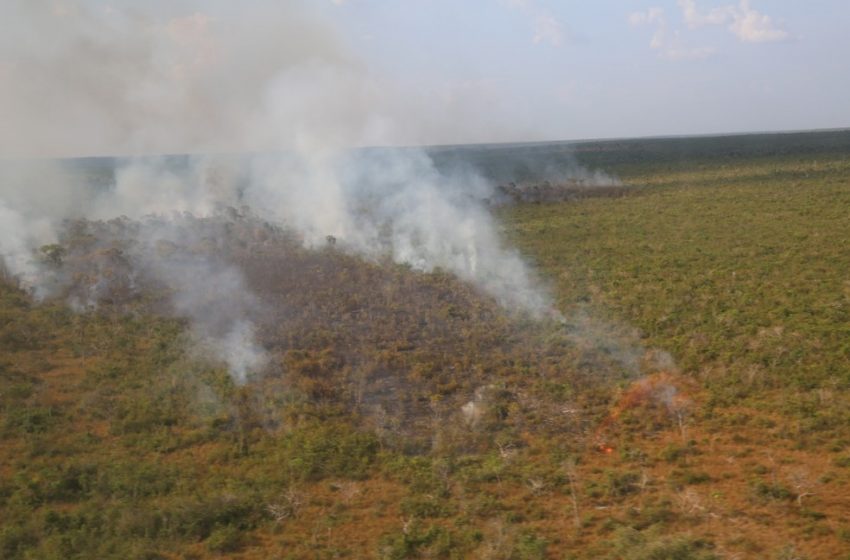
[110, 81]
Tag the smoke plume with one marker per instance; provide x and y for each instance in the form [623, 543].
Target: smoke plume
[278, 84]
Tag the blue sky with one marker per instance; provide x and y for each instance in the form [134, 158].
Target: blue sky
[88, 77]
[577, 69]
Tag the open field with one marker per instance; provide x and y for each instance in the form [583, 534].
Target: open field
[693, 406]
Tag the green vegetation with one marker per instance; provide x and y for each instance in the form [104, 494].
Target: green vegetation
[739, 267]
[693, 407]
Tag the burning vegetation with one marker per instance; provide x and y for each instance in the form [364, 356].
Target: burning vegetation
[396, 349]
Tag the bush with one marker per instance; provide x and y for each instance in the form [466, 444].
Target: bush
[414, 541]
[31, 419]
[225, 539]
[843, 462]
[621, 484]
[200, 518]
[329, 451]
[685, 477]
[426, 507]
[629, 544]
[529, 547]
[767, 491]
[14, 540]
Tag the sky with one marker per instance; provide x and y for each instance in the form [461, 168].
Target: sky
[94, 77]
[573, 69]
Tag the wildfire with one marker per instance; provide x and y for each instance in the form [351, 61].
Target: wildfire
[661, 396]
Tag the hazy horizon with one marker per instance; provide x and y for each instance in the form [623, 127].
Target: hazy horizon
[87, 78]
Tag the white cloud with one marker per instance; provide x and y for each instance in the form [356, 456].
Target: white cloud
[746, 23]
[652, 15]
[547, 29]
[694, 18]
[753, 27]
[667, 42]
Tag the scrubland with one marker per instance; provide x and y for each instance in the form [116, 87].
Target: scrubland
[692, 403]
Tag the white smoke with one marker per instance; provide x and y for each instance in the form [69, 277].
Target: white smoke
[213, 296]
[155, 188]
[34, 197]
[111, 81]
[395, 203]
[15, 242]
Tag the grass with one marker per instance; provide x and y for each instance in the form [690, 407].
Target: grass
[728, 272]
[740, 269]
